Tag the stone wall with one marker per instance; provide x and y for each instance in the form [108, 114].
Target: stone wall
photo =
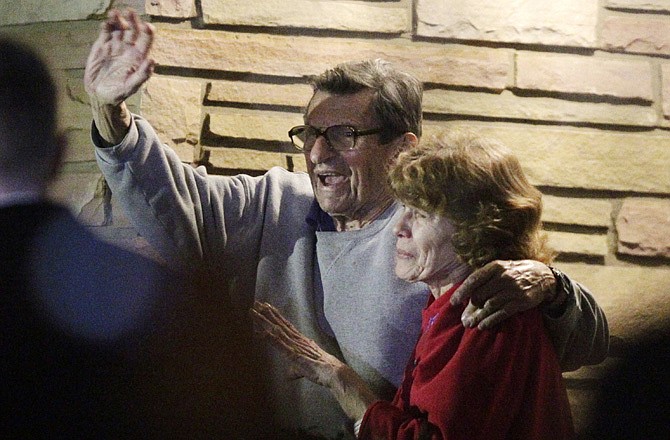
[579, 88]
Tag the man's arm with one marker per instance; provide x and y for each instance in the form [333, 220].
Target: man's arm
[576, 324]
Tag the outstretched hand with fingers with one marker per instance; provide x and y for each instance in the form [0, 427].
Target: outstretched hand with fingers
[119, 61]
[305, 357]
[502, 289]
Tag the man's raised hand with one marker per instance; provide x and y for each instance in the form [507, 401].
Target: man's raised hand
[119, 61]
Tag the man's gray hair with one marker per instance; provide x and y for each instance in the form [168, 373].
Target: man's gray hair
[397, 95]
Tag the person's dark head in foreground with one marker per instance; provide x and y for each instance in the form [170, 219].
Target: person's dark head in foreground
[96, 341]
[30, 145]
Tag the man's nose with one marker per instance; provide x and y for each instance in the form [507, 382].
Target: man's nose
[321, 151]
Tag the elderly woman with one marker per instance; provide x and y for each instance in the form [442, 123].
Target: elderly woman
[467, 202]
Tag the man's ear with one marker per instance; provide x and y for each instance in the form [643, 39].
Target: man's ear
[409, 141]
[406, 142]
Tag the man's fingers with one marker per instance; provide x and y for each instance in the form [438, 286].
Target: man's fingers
[472, 315]
[493, 319]
[475, 281]
[145, 38]
[134, 28]
[261, 321]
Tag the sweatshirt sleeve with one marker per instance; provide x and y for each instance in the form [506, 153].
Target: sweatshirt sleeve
[187, 215]
[580, 334]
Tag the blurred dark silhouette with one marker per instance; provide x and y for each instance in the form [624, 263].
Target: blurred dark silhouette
[97, 341]
[634, 400]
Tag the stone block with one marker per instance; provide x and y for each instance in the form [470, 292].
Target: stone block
[639, 5]
[64, 45]
[75, 119]
[571, 157]
[634, 299]
[578, 244]
[584, 75]
[541, 22]
[380, 17]
[299, 56]
[243, 159]
[636, 34]
[76, 190]
[251, 124]
[171, 8]
[643, 227]
[173, 106]
[577, 211]
[665, 89]
[508, 106]
[37, 11]
[293, 95]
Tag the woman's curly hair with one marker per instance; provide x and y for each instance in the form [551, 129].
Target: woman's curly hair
[478, 184]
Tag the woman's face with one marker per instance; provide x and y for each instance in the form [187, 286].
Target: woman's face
[424, 251]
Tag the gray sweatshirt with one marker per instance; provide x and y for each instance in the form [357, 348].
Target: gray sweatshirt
[338, 288]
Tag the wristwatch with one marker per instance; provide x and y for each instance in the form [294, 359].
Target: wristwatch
[558, 305]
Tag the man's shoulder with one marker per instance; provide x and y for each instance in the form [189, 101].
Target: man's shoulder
[283, 176]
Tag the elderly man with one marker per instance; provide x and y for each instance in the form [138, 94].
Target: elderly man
[320, 245]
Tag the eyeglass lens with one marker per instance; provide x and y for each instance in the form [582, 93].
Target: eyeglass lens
[339, 137]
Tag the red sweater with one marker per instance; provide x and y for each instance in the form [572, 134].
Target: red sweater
[470, 384]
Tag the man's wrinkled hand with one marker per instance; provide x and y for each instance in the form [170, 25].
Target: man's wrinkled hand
[304, 356]
[503, 288]
[119, 61]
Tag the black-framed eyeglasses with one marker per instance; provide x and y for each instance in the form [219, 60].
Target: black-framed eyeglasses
[338, 137]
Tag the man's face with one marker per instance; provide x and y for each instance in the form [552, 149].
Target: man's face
[349, 185]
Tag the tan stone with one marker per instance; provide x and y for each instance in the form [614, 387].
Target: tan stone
[639, 5]
[136, 5]
[64, 45]
[509, 106]
[592, 372]
[75, 119]
[251, 124]
[571, 157]
[577, 211]
[584, 75]
[36, 11]
[384, 17]
[75, 189]
[296, 95]
[173, 106]
[297, 56]
[544, 22]
[578, 244]
[243, 159]
[636, 34]
[171, 8]
[634, 299]
[665, 89]
[643, 227]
